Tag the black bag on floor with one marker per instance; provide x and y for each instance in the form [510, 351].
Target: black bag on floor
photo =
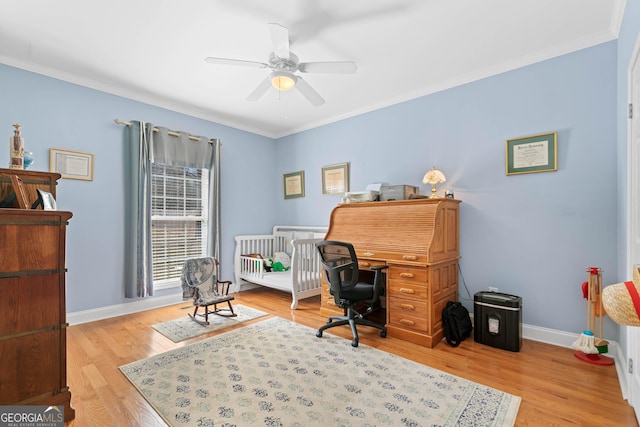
[456, 323]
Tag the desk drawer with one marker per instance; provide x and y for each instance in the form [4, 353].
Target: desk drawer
[403, 320]
[401, 289]
[403, 306]
[365, 264]
[407, 274]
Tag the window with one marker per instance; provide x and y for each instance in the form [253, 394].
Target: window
[179, 212]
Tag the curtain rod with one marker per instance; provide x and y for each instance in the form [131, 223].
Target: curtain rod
[193, 138]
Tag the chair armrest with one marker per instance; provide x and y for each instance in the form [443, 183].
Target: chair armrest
[224, 288]
[378, 285]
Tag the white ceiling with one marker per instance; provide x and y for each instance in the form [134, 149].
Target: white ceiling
[153, 50]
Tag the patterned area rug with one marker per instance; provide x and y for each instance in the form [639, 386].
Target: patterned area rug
[184, 328]
[277, 373]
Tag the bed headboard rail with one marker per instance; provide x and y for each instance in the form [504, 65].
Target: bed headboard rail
[265, 244]
[293, 232]
[301, 229]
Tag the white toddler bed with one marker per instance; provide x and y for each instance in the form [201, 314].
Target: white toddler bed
[302, 280]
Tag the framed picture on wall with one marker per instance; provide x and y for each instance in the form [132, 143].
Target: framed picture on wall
[71, 164]
[335, 178]
[293, 184]
[537, 153]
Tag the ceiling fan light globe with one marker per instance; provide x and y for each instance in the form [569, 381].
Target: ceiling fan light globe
[282, 81]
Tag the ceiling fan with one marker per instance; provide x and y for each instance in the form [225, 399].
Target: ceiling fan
[284, 64]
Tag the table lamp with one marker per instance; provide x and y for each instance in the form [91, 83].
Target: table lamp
[433, 177]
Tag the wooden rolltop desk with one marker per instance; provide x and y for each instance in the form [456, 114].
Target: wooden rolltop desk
[419, 241]
[33, 340]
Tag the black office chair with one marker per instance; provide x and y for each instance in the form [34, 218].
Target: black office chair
[341, 267]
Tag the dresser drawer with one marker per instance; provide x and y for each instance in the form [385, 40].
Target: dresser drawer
[408, 274]
[403, 306]
[401, 289]
[403, 320]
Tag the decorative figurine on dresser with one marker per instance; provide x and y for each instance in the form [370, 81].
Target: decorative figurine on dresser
[33, 335]
[16, 149]
[419, 241]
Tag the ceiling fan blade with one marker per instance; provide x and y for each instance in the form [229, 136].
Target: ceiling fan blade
[308, 92]
[335, 67]
[260, 90]
[280, 39]
[240, 62]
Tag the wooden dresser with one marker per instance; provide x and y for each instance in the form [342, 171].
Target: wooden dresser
[32, 181]
[33, 337]
[419, 241]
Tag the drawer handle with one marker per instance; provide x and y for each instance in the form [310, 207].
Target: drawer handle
[408, 306]
[364, 264]
[407, 322]
[368, 254]
[407, 291]
[409, 257]
[407, 275]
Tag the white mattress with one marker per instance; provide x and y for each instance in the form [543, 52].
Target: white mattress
[276, 279]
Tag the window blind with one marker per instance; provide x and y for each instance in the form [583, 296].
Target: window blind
[179, 201]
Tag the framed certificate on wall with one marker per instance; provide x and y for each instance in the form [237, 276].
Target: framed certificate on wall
[537, 153]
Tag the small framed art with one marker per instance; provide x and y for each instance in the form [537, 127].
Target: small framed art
[335, 178]
[46, 200]
[293, 184]
[529, 154]
[71, 164]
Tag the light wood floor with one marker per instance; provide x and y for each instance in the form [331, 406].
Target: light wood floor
[556, 388]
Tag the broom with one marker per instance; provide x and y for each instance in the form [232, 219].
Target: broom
[586, 341]
[601, 344]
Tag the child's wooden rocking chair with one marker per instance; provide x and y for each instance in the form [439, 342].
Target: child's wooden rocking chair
[200, 281]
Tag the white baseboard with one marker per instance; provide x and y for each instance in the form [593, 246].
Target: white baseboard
[622, 370]
[534, 333]
[566, 339]
[100, 313]
[549, 336]
[95, 314]
[530, 332]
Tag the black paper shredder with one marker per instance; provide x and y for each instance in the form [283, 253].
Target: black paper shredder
[497, 320]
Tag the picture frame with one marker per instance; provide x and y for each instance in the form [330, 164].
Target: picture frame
[21, 194]
[293, 183]
[335, 179]
[46, 200]
[71, 164]
[530, 154]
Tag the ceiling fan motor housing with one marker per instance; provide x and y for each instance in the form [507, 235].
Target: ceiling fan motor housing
[287, 64]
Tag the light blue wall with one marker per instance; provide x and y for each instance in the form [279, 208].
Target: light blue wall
[57, 114]
[629, 36]
[531, 235]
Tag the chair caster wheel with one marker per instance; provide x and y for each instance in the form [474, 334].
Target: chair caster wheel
[354, 343]
[383, 334]
[319, 334]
